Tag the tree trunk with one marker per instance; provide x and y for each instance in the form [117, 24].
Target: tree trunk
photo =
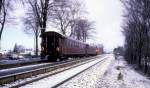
[36, 45]
[2, 26]
[43, 27]
[0, 6]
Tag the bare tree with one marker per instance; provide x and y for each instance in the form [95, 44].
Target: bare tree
[5, 7]
[60, 16]
[82, 29]
[32, 27]
[64, 13]
[40, 8]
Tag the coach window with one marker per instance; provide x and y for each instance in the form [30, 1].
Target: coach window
[76, 44]
[80, 45]
[68, 44]
[71, 43]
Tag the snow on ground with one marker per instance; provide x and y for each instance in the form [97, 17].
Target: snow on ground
[100, 76]
[10, 71]
[23, 60]
[88, 78]
[128, 78]
[58, 78]
[109, 73]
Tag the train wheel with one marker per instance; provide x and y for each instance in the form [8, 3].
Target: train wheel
[47, 57]
[58, 59]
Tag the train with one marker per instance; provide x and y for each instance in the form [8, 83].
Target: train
[58, 47]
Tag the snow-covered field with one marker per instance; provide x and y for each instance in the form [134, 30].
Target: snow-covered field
[89, 78]
[100, 76]
[128, 78]
[23, 60]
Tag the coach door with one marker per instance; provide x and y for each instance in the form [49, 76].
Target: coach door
[52, 44]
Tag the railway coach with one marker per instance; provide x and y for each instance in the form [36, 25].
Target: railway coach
[59, 47]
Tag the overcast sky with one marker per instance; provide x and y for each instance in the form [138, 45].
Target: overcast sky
[107, 15]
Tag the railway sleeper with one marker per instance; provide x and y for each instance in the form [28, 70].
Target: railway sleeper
[22, 76]
[6, 80]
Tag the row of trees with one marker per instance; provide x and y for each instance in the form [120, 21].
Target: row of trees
[119, 51]
[137, 33]
[64, 15]
[18, 49]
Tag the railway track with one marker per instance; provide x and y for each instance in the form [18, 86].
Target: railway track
[51, 70]
[62, 77]
[60, 83]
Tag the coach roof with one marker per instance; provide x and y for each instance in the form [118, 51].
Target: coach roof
[62, 36]
[54, 33]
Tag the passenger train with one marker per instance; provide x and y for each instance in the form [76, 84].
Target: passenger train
[59, 47]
